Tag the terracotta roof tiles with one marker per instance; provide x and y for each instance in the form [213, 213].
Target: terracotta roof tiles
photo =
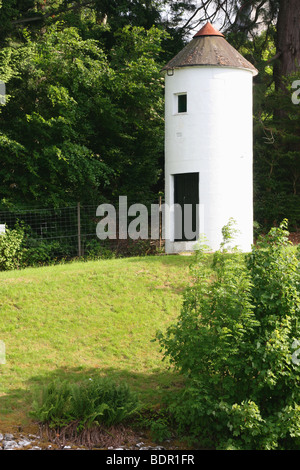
[209, 48]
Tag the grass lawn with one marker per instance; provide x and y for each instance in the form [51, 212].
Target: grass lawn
[85, 319]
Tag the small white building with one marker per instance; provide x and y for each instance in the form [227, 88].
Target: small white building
[208, 143]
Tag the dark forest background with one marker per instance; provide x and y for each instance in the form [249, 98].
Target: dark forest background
[83, 118]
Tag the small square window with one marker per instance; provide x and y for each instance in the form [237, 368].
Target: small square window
[182, 103]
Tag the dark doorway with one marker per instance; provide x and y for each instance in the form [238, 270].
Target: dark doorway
[186, 195]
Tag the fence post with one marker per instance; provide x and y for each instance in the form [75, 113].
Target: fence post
[79, 229]
[160, 222]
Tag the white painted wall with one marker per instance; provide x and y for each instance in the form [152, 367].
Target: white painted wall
[213, 138]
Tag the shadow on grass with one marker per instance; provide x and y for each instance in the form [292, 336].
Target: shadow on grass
[154, 389]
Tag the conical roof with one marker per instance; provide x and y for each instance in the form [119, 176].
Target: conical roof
[209, 48]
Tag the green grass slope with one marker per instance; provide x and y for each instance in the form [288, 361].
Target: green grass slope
[85, 319]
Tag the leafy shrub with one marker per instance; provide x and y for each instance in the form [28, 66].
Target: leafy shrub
[159, 430]
[38, 253]
[234, 344]
[19, 249]
[157, 421]
[92, 402]
[11, 250]
[94, 250]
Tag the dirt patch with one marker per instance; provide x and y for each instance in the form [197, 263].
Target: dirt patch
[95, 437]
[115, 437]
[295, 238]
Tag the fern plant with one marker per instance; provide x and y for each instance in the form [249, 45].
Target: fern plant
[92, 402]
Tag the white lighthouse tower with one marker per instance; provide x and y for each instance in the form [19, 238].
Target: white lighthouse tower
[208, 143]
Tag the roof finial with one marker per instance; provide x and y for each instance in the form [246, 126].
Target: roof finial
[208, 30]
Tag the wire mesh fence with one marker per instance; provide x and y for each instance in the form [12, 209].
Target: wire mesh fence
[70, 231]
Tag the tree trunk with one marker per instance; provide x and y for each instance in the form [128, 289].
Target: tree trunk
[288, 40]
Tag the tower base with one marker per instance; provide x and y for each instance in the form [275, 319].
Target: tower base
[178, 247]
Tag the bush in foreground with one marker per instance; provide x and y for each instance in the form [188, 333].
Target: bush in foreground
[235, 341]
[11, 253]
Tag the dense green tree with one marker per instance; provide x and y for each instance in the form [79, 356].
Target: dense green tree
[277, 156]
[77, 124]
[86, 112]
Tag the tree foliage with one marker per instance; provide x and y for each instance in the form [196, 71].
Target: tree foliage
[79, 122]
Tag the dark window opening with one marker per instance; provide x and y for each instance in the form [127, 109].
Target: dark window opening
[182, 103]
